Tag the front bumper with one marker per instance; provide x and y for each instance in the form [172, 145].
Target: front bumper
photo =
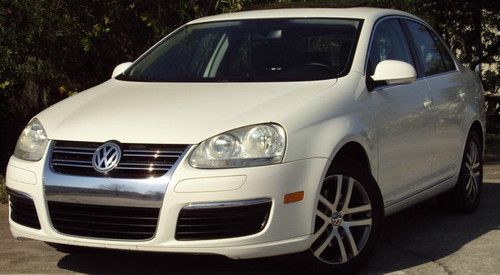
[288, 229]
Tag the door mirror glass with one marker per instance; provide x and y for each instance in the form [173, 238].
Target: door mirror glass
[120, 69]
[394, 72]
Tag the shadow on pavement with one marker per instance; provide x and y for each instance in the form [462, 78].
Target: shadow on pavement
[418, 235]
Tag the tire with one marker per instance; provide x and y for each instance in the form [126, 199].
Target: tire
[356, 225]
[465, 196]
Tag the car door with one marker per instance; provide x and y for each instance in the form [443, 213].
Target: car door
[448, 98]
[404, 125]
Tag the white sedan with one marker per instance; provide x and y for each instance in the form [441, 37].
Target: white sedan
[255, 134]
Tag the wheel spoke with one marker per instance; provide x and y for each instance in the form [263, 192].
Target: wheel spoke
[322, 247]
[337, 193]
[322, 216]
[348, 194]
[326, 202]
[359, 222]
[474, 187]
[320, 232]
[473, 152]
[343, 254]
[358, 209]
[352, 243]
[468, 185]
[469, 159]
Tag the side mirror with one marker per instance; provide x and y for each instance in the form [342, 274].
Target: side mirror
[394, 72]
[120, 69]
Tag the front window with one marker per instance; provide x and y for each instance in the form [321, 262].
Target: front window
[251, 50]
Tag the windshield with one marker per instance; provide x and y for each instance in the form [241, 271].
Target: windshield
[251, 50]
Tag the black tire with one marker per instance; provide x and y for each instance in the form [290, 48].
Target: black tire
[349, 169]
[461, 199]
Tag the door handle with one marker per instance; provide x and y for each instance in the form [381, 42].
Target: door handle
[427, 103]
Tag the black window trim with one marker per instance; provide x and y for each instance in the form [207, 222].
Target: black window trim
[415, 57]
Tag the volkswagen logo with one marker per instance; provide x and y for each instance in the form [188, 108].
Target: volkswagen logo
[337, 219]
[106, 157]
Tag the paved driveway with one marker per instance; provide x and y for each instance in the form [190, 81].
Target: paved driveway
[422, 239]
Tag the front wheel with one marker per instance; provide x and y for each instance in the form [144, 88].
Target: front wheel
[348, 220]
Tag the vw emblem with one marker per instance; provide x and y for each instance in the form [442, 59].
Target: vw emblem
[337, 219]
[106, 157]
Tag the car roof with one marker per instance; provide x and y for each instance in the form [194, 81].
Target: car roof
[365, 13]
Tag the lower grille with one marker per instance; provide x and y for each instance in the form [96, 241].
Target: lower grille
[222, 220]
[22, 209]
[99, 221]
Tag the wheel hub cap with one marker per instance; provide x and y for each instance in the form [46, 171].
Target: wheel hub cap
[337, 219]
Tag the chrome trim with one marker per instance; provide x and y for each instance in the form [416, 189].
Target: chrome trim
[206, 205]
[145, 192]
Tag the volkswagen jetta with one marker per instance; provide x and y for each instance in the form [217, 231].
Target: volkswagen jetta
[255, 134]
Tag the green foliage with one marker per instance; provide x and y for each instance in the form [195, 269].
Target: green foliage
[51, 49]
[470, 27]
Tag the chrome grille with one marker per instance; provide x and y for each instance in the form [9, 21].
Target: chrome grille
[137, 161]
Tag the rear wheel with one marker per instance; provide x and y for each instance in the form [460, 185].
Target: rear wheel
[348, 220]
[465, 196]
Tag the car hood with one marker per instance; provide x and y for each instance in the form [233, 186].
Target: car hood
[175, 113]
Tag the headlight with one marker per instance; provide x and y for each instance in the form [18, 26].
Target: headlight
[248, 146]
[32, 143]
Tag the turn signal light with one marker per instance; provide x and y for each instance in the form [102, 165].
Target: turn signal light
[293, 197]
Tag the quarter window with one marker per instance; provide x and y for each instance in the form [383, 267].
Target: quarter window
[388, 42]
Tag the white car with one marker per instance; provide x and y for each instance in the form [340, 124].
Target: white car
[254, 134]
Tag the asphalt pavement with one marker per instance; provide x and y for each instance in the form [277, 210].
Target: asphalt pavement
[420, 240]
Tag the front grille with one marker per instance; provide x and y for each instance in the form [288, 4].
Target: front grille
[226, 220]
[99, 221]
[137, 161]
[22, 209]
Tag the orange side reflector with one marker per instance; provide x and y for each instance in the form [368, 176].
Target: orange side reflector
[294, 197]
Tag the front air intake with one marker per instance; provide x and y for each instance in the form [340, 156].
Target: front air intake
[100, 221]
[22, 209]
[222, 220]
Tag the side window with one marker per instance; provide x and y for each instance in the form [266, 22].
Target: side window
[388, 42]
[448, 61]
[428, 51]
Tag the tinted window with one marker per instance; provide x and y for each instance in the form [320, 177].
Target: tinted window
[427, 49]
[448, 61]
[251, 50]
[388, 42]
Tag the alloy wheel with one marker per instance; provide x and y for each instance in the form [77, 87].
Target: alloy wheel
[473, 172]
[343, 220]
